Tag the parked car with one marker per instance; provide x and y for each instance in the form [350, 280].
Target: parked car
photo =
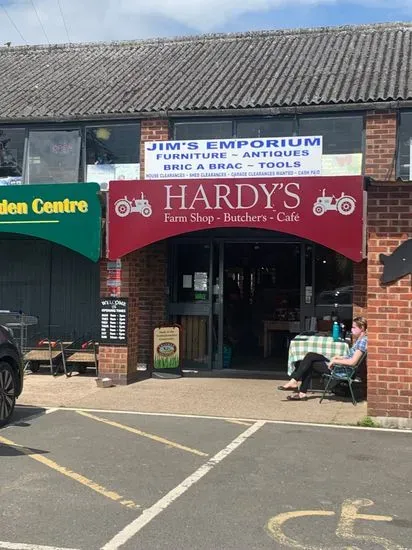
[341, 296]
[11, 374]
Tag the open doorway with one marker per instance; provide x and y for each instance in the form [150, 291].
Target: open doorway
[261, 303]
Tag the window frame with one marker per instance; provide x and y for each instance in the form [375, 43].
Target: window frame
[352, 114]
[81, 127]
[18, 127]
[104, 124]
[192, 120]
[398, 146]
[52, 128]
[295, 117]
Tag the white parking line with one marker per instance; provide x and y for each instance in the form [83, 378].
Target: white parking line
[22, 546]
[226, 418]
[150, 513]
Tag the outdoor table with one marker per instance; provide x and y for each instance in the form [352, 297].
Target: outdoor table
[324, 345]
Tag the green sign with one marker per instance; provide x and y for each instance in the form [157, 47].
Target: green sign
[68, 214]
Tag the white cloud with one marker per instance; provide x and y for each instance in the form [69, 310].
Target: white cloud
[95, 20]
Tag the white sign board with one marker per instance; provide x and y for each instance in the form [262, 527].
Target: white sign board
[234, 158]
[410, 159]
[103, 173]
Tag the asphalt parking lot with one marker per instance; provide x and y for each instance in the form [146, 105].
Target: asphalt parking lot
[83, 479]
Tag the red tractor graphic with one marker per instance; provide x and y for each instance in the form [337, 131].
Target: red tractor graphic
[344, 204]
[123, 207]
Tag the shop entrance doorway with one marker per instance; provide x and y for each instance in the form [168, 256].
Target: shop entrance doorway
[240, 301]
[261, 303]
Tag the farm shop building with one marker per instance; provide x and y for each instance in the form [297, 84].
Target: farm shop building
[241, 250]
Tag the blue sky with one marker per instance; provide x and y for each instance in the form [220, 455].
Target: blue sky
[42, 21]
[342, 13]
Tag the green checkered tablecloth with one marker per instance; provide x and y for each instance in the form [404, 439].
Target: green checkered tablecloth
[301, 345]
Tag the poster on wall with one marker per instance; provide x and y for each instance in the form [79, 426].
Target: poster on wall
[342, 165]
[103, 173]
[234, 158]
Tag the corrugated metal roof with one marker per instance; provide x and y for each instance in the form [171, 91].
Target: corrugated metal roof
[275, 69]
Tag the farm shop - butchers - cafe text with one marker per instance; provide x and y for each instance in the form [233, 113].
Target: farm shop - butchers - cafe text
[326, 210]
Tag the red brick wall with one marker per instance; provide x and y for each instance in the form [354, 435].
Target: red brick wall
[152, 130]
[360, 289]
[148, 295]
[380, 165]
[380, 145]
[389, 306]
[143, 282]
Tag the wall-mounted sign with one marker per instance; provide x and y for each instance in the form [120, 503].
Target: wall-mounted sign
[398, 264]
[67, 214]
[166, 350]
[113, 321]
[349, 164]
[234, 158]
[410, 159]
[329, 211]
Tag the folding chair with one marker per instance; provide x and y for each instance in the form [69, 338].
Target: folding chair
[343, 373]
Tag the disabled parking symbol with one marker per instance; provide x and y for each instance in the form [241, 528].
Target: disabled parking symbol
[345, 529]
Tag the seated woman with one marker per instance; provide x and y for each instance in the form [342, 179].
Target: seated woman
[321, 364]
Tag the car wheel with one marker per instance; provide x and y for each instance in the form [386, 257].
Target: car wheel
[7, 392]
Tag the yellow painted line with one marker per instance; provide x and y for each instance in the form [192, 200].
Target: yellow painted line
[112, 495]
[34, 221]
[239, 422]
[143, 434]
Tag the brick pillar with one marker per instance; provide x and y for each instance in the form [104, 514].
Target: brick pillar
[389, 308]
[380, 154]
[143, 278]
[360, 298]
[152, 130]
[143, 282]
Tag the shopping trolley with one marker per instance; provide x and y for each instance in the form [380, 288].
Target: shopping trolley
[18, 322]
[47, 352]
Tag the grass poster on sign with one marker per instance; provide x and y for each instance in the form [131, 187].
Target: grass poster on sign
[166, 348]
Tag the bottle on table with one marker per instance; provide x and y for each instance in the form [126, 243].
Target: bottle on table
[336, 331]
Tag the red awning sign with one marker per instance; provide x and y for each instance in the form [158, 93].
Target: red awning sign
[326, 210]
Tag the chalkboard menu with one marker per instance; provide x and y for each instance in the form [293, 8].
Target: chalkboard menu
[113, 324]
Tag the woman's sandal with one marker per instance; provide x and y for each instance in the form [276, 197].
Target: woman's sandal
[296, 397]
[283, 388]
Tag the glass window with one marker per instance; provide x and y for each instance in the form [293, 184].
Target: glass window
[405, 139]
[341, 135]
[273, 127]
[11, 155]
[220, 129]
[333, 280]
[53, 156]
[119, 144]
[112, 153]
[193, 272]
